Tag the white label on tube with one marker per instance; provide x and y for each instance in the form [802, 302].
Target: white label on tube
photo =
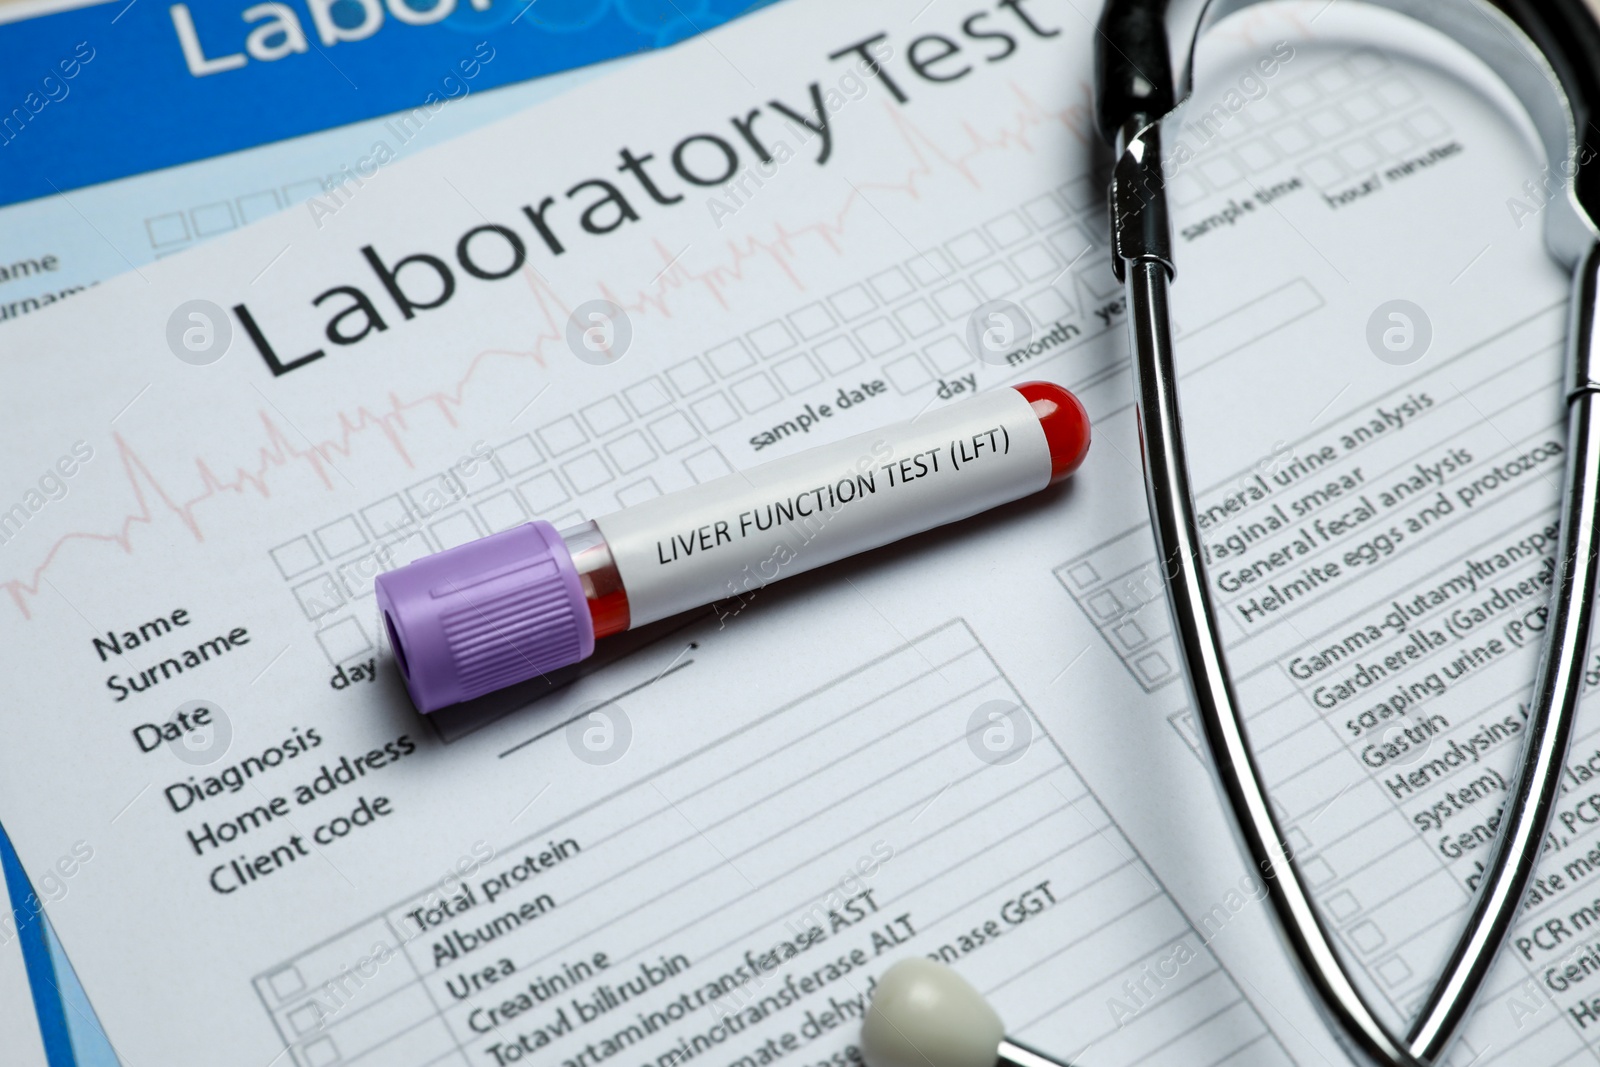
[745, 530]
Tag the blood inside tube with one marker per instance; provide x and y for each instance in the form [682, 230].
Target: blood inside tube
[602, 585]
[1065, 425]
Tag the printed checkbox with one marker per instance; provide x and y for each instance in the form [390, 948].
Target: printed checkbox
[562, 436]
[772, 339]
[907, 374]
[295, 557]
[1096, 277]
[1333, 78]
[1222, 170]
[839, 354]
[948, 354]
[1153, 667]
[1342, 905]
[967, 249]
[706, 465]
[321, 1053]
[852, 303]
[638, 492]
[1366, 936]
[730, 358]
[1046, 306]
[1006, 230]
[673, 431]
[1359, 155]
[359, 574]
[1044, 211]
[918, 318]
[430, 497]
[930, 267]
[606, 415]
[1257, 154]
[587, 472]
[477, 472]
[543, 493]
[1393, 971]
[167, 229]
[1291, 139]
[1299, 95]
[755, 393]
[301, 191]
[1083, 575]
[1299, 843]
[453, 530]
[891, 285]
[321, 596]
[879, 336]
[286, 982]
[797, 373]
[1072, 243]
[995, 280]
[955, 300]
[688, 377]
[1427, 124]
[1394, 138]
[813, 320]
[518, 456]
[1317, 870]
[1365, 62]
[1035, 262]
[1327, 121]
[213, 219]
[306, 1018]
[1105, 605]
[1395, 93]
[714, 412]
[501, 512]
[254, 206]
[406, 550]
[1183, 722]
[1266, 111]
[648, 396]
[387, 516]
[630, 452]
[1130, 635]
[343, 641]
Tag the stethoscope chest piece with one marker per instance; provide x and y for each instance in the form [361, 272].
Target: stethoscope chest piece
[924, 1014]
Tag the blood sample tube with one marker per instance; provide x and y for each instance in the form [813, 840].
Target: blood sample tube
[521, 603]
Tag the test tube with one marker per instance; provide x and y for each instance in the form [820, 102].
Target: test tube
[529, 600]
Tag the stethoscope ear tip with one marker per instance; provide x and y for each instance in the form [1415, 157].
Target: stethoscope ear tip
[923, 1014]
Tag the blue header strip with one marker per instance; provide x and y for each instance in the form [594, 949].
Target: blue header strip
[28, 916]
[99, 93]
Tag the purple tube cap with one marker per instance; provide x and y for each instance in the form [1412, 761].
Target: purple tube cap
[485, 615]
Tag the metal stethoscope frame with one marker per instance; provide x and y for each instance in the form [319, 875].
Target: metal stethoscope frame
[1542, 51]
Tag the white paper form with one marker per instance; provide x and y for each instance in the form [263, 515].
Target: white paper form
[264, 808]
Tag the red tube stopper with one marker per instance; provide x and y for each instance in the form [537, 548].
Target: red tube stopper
[1065, 424]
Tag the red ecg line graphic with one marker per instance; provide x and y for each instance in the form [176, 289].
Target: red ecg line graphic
[928, 160]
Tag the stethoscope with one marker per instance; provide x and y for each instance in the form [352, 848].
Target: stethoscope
[1548, 54]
